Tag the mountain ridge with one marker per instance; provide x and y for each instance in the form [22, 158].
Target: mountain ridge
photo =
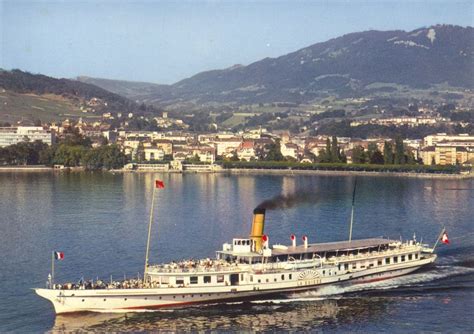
[343, 66]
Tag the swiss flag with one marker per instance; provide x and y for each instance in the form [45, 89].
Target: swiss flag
[159, 184]
[59, 255]
[444, 238]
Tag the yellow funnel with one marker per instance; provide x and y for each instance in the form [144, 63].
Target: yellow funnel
[258, 224]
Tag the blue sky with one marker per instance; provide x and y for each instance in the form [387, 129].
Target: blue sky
[166, 41]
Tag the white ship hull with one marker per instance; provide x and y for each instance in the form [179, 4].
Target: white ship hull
[134, 300]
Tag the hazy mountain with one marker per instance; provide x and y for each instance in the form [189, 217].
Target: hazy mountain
[350, 65]
[18, 84]
[130, 89]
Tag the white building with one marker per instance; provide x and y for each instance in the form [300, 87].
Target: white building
[13, 135]
[432, 140]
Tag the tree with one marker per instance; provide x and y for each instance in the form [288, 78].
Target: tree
[140, 153]
[399, 158]
[387, 153]
[274, 152]
[359, 156]
[335, 152]
[374, 154]
[325, 154]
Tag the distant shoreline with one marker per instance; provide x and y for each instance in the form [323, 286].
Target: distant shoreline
[248, 171]
[346, 173]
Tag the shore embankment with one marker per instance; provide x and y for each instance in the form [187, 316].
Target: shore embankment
[252, 171]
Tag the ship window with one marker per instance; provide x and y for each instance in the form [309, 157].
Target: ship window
[324, 272]
[259, 281]
[275, 279]
[83, 299]
[379, 262]
[416, 256]
[180, 281]
[387, 260]
[241, 277]
[282, 277]
[267, 280]
[165, 280]
[291, 276]
[395, 259]
[207, 279]
[251, 278]
[193, 280]
[410, 256]
[346, 266]
[403, 258]
[105, 299]
[339, 266]
[354, 265]
[220, 278]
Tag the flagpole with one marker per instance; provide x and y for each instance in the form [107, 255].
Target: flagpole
[52, 268]
[439, 238]
[149, 232]
[352, 210]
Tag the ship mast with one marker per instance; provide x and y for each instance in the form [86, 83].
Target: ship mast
[352, 210]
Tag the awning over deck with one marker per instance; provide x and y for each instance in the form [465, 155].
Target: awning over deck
[340, 246]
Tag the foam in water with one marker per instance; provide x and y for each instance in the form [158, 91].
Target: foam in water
[336, 292]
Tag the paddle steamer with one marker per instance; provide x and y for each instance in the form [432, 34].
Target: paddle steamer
[246, 269]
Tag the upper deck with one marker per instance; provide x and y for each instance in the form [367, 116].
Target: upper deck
[241, 248]
[337, 246]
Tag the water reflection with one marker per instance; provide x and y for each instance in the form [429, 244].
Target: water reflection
[262, 316]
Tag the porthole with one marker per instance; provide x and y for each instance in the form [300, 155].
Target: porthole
[174, 297]
[125, 299]
[83, 299]
[146, 298]
[105, 299]
[160, 297]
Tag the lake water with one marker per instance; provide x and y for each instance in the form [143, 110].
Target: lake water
[99, 221]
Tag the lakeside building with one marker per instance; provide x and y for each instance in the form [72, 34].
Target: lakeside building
[432, 140]
[14, 135]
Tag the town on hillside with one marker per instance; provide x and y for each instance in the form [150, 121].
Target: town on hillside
[114, 141]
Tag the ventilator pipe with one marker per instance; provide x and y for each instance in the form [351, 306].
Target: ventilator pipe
[305, 241]
[293, 240]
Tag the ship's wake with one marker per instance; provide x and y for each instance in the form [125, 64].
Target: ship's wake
[418, 280]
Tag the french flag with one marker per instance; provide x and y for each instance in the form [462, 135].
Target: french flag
[59, 255]
[444, 238]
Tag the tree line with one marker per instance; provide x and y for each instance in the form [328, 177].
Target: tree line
[73, 151]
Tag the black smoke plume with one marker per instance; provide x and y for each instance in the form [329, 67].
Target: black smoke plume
[282, 202]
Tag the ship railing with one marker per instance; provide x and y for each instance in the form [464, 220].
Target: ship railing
[172, 268]
[400, 249]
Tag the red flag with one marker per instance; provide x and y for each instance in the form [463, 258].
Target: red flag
[444, 238]
[59, 255]
[159, 184]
